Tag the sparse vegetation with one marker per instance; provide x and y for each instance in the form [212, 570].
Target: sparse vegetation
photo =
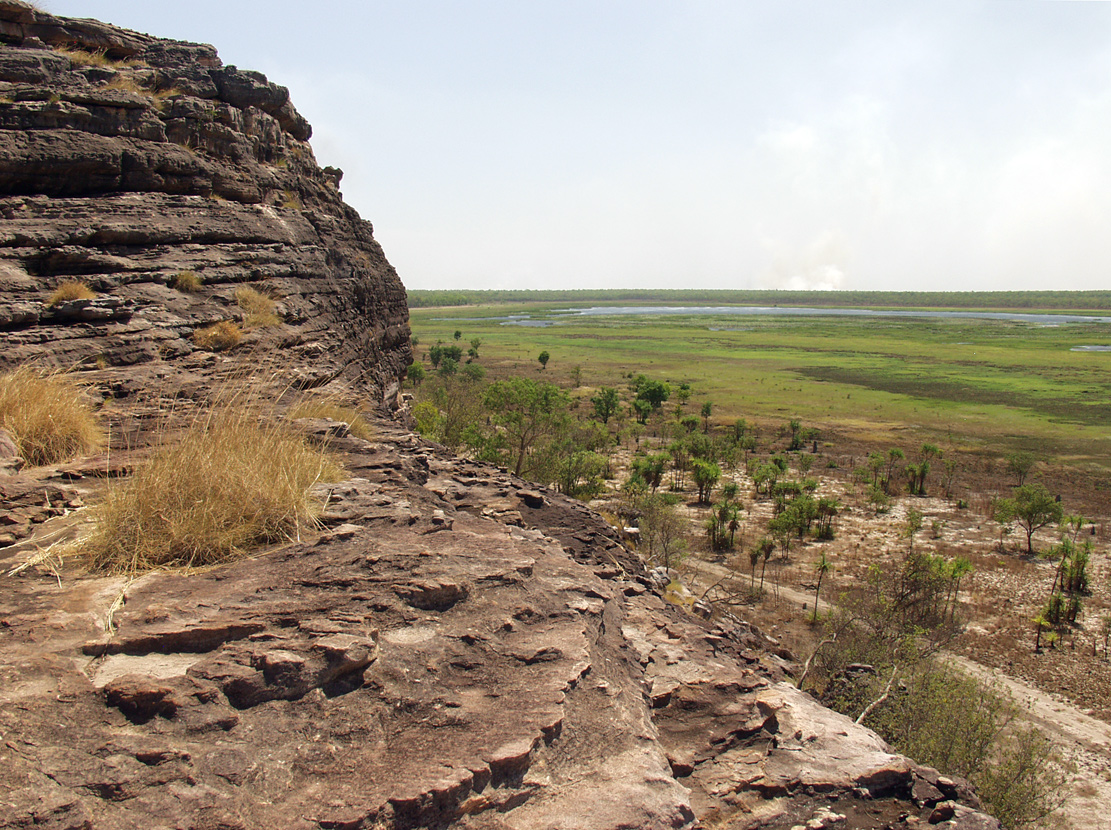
[218, 337]
[893, 434]
[188, 282]
[70, 290]
[336, 411]
[229, 484]
[258, 308]
[85, 57]
[125, 83]
[47, 415]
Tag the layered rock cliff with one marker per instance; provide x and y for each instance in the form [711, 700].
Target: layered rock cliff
[126, 160]
[451, 647]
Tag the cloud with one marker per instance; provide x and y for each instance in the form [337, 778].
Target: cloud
[817, 266]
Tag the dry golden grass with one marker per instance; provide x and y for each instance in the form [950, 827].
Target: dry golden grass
[188, 282]
[218, 337]
[258, 308]
[98, 57]
[232, 483]
[331, 408]
[47, 416]
[70, 290]
[125, 83]
[84, 57]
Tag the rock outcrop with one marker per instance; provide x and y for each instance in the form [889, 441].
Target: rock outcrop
[452, 647]
[455, 647]
[126, 161]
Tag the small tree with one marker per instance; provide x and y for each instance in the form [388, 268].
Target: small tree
[804, 462]
[794, 431]
[525, 410]
[706, 475]
[917, 473]
[740, 430]
[606, 403]
[662, 532]
[654, 392]
[544, 357]
[1033, 507]
[457, 334]
[724, 518]
[912, 526]
[415, 374]
[1020, 464]
[821, 567]
[828, 509]
[765, 547]
[894, 456]
[683, 393]
[650, 468]
[707, 409]
[950, 465]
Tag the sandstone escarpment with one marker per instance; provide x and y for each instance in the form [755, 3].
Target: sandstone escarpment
[451, 647]
[127, 160]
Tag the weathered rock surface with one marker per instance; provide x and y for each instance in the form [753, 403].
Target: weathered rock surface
[126, 160]
[415, 663]
[453, 647]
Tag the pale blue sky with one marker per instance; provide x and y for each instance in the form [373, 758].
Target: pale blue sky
[920, 144]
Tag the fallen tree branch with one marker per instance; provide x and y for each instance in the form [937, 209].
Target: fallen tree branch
[886, 691]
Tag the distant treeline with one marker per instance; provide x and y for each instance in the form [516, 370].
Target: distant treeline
[1058, 300]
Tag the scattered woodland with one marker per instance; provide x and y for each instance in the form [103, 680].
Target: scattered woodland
[872, 548]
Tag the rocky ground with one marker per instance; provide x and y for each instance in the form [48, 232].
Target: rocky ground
[452, 647]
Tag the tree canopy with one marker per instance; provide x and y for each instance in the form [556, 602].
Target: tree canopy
[525, 410]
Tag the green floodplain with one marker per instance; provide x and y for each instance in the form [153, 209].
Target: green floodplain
[978, 385]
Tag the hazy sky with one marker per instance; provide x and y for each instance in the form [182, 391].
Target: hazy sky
[656, 143]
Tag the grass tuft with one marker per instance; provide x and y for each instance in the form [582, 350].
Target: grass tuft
[188, 282]
[331, 408]
[70, 290]
[84, 57]
[229, 485]
[258, 308]
[218, 337]
[125, 83]
[47, 416]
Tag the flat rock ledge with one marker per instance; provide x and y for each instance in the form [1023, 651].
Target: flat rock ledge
[453, 648]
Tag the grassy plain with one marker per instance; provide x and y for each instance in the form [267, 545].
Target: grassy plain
[976, 385]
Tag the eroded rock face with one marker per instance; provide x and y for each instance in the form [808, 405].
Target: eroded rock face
[126, 160]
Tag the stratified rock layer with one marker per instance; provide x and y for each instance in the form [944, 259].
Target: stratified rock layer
[126, 160]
